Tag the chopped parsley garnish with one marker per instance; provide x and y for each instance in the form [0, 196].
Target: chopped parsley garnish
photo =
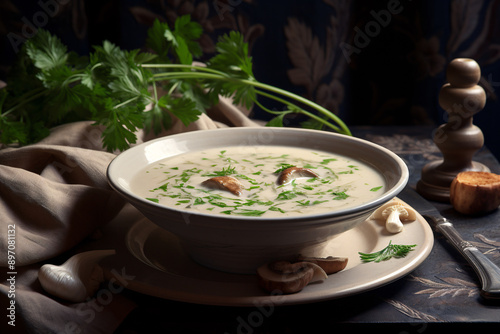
[339, 195]
[183, 183]
[327, 161]
[283, 167]
[286, 195]
[224, 172]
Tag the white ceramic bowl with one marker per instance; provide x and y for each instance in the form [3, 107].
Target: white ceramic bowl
[240, 244]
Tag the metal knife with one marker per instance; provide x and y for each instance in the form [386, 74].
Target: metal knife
[488, 272]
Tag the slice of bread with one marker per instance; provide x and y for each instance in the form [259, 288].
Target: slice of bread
[475, 193]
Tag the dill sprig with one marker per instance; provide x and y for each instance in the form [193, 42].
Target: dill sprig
[387, 253]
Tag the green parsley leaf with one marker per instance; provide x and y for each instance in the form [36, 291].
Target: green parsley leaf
[157, 42]
[340, 195]
[276, 121]
[286, 195]
[246, 212]
[190, 32]
[157, 119]
[119, 129]
[46, 50]
[327, 161]
[12, 131]
[182, 108]
[233, 59]
[224, 172]
[282, 168]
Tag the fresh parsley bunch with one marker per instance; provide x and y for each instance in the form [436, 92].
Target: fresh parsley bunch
[49, 86]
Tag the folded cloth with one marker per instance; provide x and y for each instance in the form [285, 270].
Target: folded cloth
[53, 195]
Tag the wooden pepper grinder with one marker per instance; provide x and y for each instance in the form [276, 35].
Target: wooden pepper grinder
[459, 139]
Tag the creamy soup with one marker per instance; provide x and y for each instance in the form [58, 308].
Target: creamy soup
[319, 181]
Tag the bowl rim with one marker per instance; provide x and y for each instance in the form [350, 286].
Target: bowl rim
[135, 199]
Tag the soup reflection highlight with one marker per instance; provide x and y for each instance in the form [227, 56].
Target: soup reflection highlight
[260, 181]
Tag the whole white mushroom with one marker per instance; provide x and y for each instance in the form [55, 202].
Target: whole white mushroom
[395, 212]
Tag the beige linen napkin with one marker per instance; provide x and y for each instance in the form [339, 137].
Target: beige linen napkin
[56, 194]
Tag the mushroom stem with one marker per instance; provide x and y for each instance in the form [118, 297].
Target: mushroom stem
[393, 223]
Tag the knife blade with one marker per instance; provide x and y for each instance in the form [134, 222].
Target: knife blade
[488, 272]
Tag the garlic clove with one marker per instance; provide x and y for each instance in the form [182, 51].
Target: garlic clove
[76, 279]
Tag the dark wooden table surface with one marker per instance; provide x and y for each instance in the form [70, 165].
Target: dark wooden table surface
[441, 294]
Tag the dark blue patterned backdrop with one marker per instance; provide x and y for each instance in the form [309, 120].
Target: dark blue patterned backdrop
[371, 62]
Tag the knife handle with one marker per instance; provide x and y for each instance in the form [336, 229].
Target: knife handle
[488, 272]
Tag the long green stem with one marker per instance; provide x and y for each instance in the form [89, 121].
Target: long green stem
[217, 75]
[302, 100]
[187, 75]
[25, 99]
[274, 112]
[125, 102]
[191, 67]
[302, 111]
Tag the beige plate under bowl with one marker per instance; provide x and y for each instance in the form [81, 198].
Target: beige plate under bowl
[155, 264]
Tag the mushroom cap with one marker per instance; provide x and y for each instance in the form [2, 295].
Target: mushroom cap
[330, 264]
[291, 173]
[227, 183]
[410, 212]
[400, 209]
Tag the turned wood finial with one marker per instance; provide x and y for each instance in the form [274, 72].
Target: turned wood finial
[459, 139]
